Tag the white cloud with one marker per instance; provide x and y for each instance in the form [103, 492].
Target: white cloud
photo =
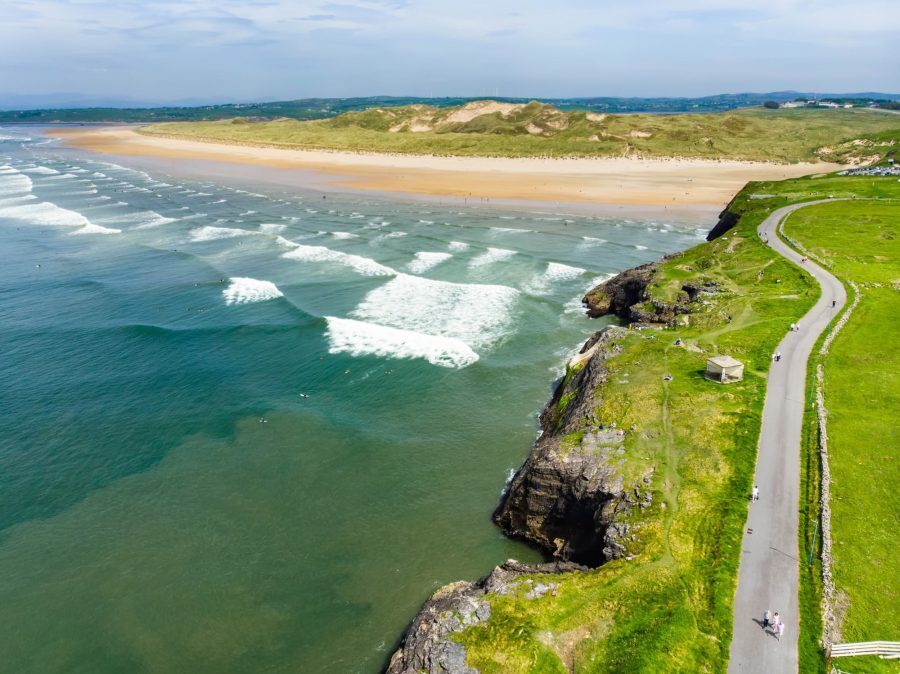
[309, 47]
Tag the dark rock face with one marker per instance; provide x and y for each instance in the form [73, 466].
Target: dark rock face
[626, 296]
[621, 292]
[427, 644]
[568, 498]
[727, 220]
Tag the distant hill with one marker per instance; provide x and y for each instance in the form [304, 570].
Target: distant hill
[502, 128]
[40, 110]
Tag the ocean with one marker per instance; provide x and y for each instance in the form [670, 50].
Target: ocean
[247, 428]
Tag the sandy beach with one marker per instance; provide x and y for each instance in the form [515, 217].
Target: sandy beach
[671, 183]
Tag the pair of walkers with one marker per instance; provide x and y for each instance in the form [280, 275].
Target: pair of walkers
[774, 623]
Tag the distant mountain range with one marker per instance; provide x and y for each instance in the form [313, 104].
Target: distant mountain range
[62, 107]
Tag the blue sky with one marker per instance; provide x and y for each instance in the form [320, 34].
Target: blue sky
[166, 50]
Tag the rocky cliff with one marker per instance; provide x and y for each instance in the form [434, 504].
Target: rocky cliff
[728, 219]
[627, 295]
[569, 498]
[428, 644]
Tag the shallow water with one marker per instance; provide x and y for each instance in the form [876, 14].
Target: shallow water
[251, 429]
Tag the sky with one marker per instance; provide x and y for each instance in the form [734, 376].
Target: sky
[250, 50]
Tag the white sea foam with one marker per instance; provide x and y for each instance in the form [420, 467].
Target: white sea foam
[511, 230]
[639, 247]
[344, 235]
[44, 213]
[363, 265]
[479, 315]
[42, 170]
[210, 233]
[150, 219]
[243, 290]
[458, 245]
[593, 241]
[91, 228]
[271, 228]
[490, 256]
[13, 182]
[358, 338]
[281, 241]
[18, 138]
[555, 272]
[425, 261]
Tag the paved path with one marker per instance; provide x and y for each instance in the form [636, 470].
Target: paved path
[767, 578]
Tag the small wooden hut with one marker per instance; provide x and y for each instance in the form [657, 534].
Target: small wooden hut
[724, 369]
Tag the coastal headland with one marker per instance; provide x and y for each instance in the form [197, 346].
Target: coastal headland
[673, 184]
[642, 474]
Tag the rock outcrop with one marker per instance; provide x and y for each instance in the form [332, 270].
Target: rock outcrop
[569, 498]
[627, 296]
[728, 219]
[621, 292]
[427, 644]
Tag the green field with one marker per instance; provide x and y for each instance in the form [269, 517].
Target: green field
[539, 130]
[669, 608]
[862, 388]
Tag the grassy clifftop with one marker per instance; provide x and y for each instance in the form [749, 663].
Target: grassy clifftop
[491, 128]
[668, 606]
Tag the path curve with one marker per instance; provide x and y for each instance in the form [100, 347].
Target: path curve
[768, 573]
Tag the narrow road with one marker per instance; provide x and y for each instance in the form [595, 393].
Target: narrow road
[767, 578]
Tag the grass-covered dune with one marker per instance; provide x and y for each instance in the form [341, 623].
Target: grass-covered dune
[668, 606]
[491, 128]
[860, 242]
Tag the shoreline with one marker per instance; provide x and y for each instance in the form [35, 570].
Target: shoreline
[670, 187]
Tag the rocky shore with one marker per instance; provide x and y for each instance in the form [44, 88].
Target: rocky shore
[428, 644]
[569, 498]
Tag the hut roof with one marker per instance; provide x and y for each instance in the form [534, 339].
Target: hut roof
[725, 361]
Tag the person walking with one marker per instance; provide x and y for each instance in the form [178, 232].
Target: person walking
[778, 356]
[833, 303]
[767, 619]
[756, 498]
[779, 630]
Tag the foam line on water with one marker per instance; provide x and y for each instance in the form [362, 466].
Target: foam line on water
[478, 314]
[363, 265]
[211, 233]
[92, 228]
[269, 227]
[14, 182]
[426, 260]
[358, 338]
[243, 290]
[490, 256]
[542, 284]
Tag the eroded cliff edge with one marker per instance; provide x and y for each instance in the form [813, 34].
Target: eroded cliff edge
[569, 497]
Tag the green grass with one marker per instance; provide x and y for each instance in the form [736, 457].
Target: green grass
[669, 608]
[862, 387]
[541, 130]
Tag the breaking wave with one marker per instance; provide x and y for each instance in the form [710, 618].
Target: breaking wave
[363, 265]
[243, 290]
[425, 261]
[358, 338]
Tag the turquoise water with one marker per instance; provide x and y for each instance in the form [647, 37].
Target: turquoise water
[248, 429]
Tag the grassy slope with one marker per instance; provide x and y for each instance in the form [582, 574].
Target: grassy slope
[669, 608]
[859, 240]
[755, 134]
